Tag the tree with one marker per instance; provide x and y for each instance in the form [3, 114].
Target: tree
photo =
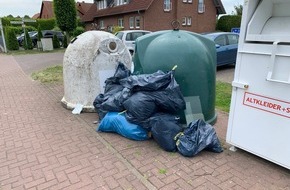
[65, 41]
[238, 10]
[65, 14]
[39, 33]
[26, 17]
[27, 44]
[55, 42]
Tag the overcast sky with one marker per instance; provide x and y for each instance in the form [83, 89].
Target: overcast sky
[31, 7]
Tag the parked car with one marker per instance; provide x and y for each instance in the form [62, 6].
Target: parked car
[20, 38]
[129, 36]
[226, 46]
[45, 33]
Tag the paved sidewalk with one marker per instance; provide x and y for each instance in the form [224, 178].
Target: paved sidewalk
[44, 146]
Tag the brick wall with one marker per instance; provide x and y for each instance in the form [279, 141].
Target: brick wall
[155, 18]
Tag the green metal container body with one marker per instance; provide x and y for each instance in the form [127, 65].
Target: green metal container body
[195, 57]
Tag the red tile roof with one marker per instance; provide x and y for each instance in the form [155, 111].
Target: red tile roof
[47, 5]
[36, 16]
[81, 7]
[90, 14]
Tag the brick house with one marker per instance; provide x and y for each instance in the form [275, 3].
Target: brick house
[193, 15]
[46, 11]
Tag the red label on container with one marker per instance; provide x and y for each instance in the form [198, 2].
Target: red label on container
[267, 104]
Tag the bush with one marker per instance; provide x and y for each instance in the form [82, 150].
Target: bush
[11, 40]
[227, 22]
[79, 30]
[117, 29]
[55, 42]
[27, 43]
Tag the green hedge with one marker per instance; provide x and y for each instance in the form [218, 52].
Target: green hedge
[227, 22]
[10, 39]
[46, 24]
[19, 30]
[6, 22]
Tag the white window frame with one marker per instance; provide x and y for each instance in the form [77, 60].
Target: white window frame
[121, 2]
[131, 22]
[201, 6]
[102, 4]
[167, 6]
[189, 1]
[121, 22]
[184, 21]
[184, 1]
[137, 22]
[102, 24]
[189, 21]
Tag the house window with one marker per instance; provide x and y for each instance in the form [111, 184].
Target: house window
[121, 22]
[102, 4]
[189, 21]
[189, 1]
[167, 5]
[110, 29]
[183, 21]
[201, 7]
[102, 25]
[122, 2]
[131, 22]
[137, 22]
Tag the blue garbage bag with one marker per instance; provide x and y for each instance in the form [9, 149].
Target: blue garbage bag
[196, 137]
[116, 122]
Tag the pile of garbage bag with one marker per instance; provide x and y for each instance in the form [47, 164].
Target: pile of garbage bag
[139, 107]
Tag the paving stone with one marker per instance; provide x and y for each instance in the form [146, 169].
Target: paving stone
[44, 146]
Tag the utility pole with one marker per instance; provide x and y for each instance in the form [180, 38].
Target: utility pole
[3, 37]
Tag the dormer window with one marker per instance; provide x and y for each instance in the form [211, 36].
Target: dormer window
[102, 4]
[122, 2]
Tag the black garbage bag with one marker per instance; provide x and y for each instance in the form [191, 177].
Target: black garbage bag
[140, 106]
[147, 82]
[114, 93]
[114, 102]
[196, 137]
[112, 84]
[170, 99]
[97, 105]
[164, 127]
[133, 119]
[122, 71]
